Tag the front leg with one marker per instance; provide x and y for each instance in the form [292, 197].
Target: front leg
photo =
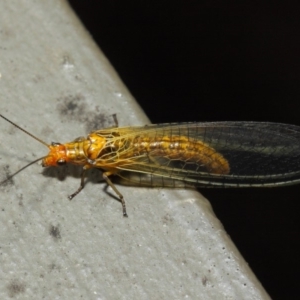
[81, 185]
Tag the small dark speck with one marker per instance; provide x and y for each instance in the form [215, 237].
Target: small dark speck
[71, 106]
[53, 266]
[8, 181]
[15, 288]
[204, 280]
[55, 232]
[98, 121]
[167, 219]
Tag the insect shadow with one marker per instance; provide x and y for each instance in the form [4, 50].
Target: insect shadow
[92, 176]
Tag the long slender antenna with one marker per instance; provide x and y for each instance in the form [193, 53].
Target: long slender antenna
[12, 175]
[39, 140]
[31, 163]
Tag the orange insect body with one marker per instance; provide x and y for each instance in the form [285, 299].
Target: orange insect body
[217, 154]
[110, 152]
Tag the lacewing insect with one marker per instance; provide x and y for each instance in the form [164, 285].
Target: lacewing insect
[212, 154]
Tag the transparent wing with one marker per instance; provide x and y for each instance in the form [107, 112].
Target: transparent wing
[258, 154]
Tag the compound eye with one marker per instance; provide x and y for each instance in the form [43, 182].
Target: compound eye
[61, 162]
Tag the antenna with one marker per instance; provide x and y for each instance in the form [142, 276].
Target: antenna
[31, 163]
[13, 175]
[30, 134]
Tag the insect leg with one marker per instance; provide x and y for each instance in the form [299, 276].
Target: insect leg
[108, 181]
[80, 187]
[115, 120]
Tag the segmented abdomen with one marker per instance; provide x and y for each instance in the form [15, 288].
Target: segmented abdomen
[184, 149]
